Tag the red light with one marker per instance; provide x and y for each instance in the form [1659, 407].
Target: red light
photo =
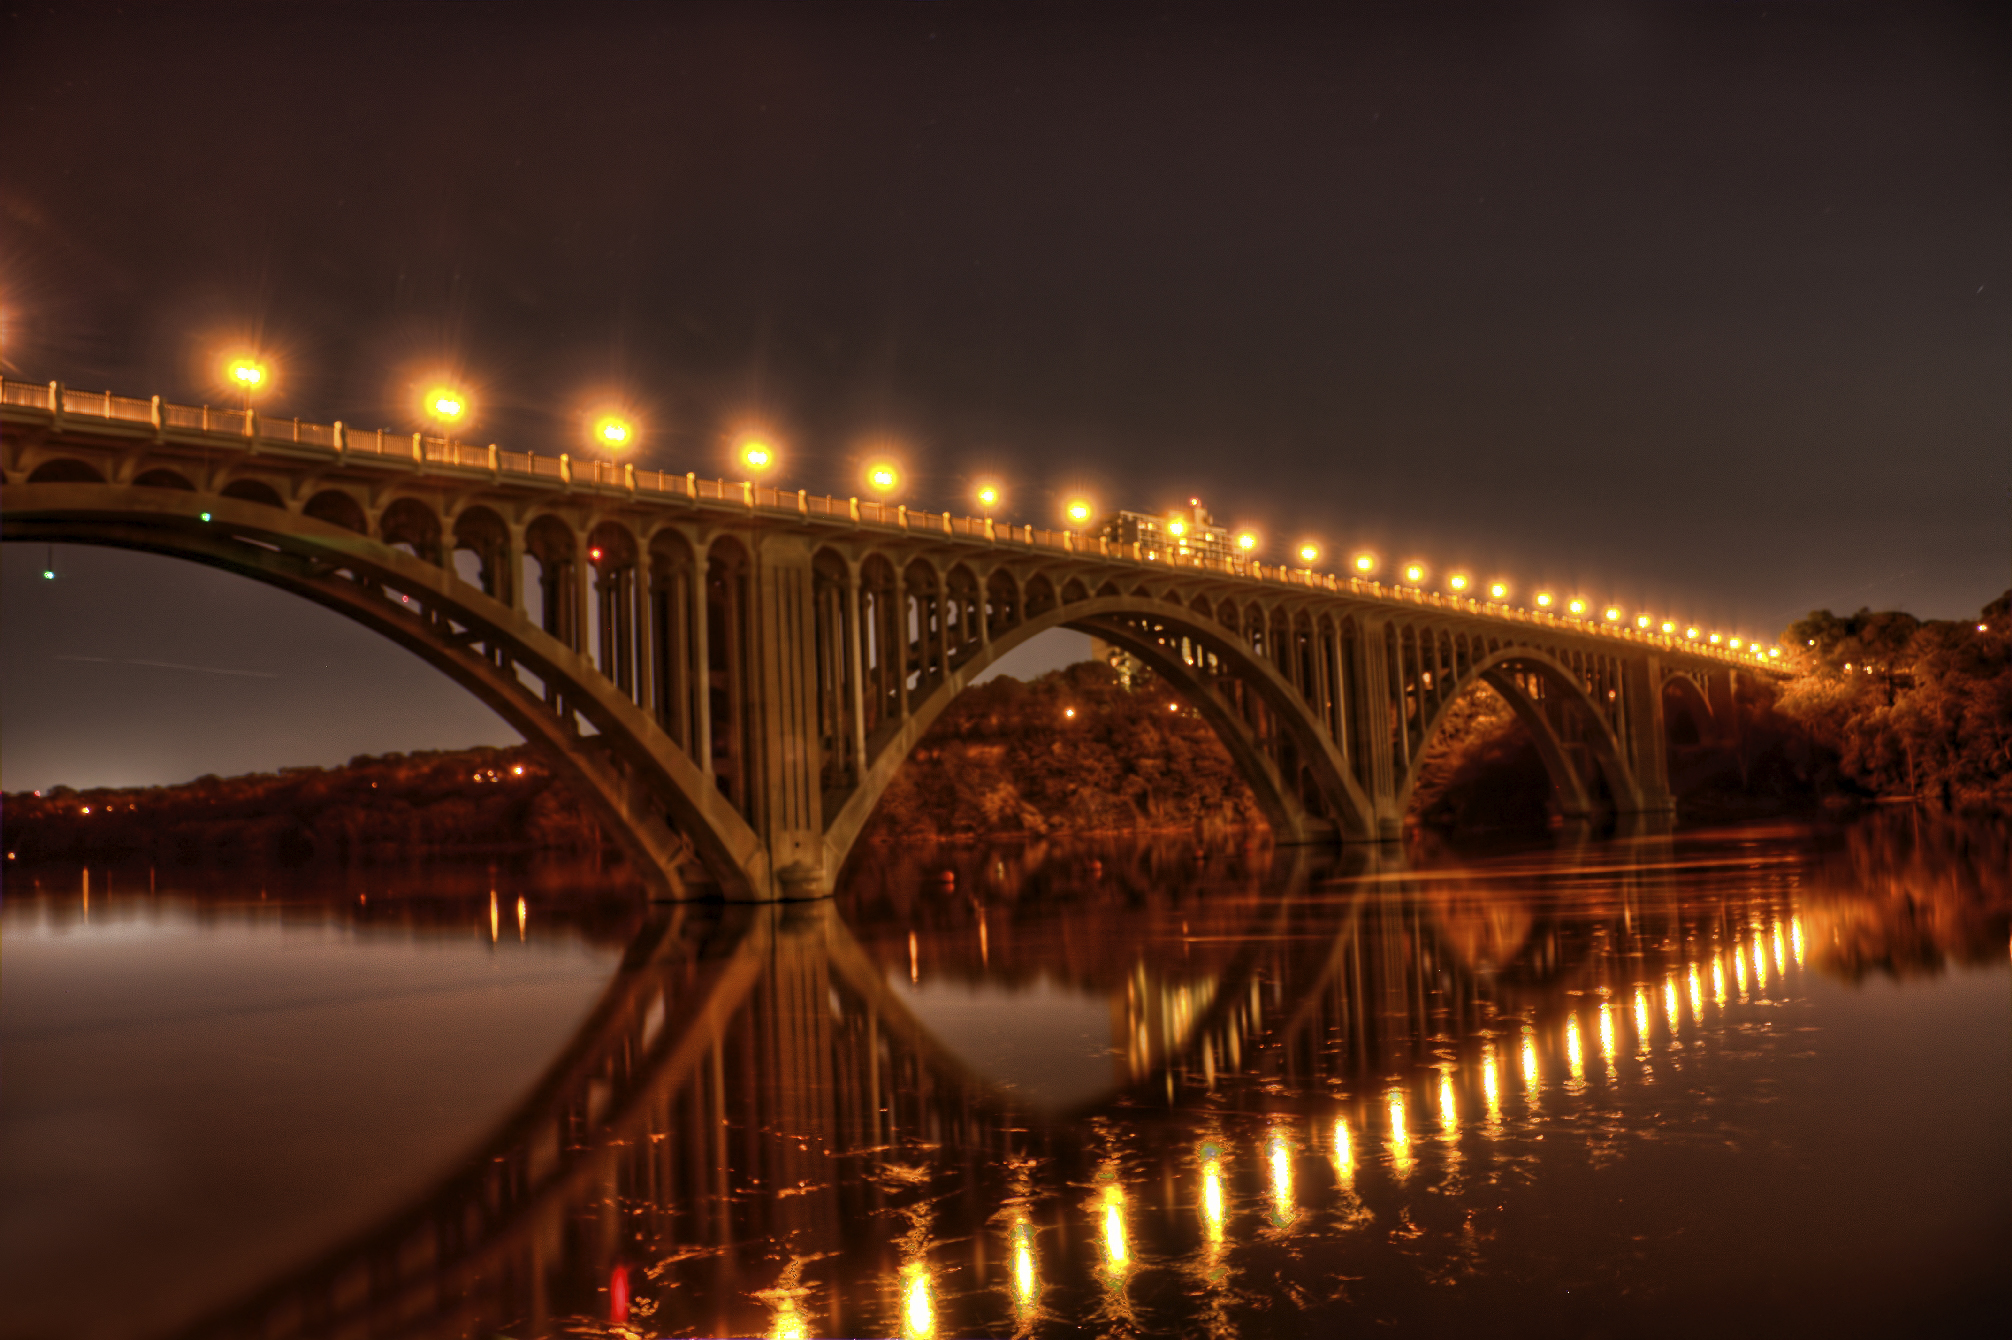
[618, 1294]
[594, 554]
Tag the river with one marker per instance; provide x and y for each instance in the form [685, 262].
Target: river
[1746, 1080]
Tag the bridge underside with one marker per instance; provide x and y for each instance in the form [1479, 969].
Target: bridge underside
[733, 688]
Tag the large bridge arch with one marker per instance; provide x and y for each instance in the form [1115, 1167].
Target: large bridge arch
[650, 797]
[1499, 670]
[1153, 630]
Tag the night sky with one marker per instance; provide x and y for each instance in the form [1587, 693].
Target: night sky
[1699, 308]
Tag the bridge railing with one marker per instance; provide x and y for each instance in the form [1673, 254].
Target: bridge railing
[246, 428]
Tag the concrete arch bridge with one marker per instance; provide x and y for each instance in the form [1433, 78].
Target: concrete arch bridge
[732, 674]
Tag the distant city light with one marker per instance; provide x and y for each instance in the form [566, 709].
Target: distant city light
[1069, 712]
[882, 478]
[49, 574]
[204, 515]
[1774, 651]
[1176, 528]
[757, 455]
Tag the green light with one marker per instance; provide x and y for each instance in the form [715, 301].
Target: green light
[206, 516]
[49, 574]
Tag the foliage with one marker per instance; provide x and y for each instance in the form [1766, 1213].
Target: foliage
[1072, 752]
[388, 808]
[1908, 707]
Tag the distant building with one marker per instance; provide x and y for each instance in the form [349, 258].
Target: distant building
[1185, 534]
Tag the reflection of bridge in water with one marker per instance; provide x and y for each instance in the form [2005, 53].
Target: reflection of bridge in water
[731, 675]
[755, 1132]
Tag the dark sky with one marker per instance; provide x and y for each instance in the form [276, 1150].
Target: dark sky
[1700, 308]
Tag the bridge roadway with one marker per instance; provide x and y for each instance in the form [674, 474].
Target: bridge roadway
[731, 674]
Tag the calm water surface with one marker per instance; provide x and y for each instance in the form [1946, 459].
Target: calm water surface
[1744, 1082]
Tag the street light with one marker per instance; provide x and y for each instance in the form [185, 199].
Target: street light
[988, 497]
[1248, 542]
[756, 456]
[1498, 591]
[1577, 607]
[1308, 553]
[1457, 581]
[614, 432]
[882, 478]
[1544, 600]
[1365, 563]
[1079, 511]
[1414, 573]
[247, 374]
[446, 406]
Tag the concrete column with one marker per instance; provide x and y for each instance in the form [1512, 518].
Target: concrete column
[855, 653]
[1648, 753]
[785, 717]
[644, 596]
[699, 687]
[511, 579]
[1342, 683]
[582, 596]
[1373, 689]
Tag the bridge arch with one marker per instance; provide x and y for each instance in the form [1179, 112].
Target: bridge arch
[1501, 670]
[650, 797]
[1687, 708]
[253, 490]
[1154, 631]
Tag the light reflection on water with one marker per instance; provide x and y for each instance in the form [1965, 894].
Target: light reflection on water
[1318, 1097]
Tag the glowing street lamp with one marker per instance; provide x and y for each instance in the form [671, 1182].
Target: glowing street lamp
[988, 496]
[1414, 573]
[1691, 634]
[1715, 639]
[882, 478]
[1499, 591]
[1457, 581]
[1247, 542]
[757, 457]
[1613, 616]
[446, 406]
[1641, 621]
[1577, 607]
[1079, 511]
[1544, 600]
[248, 375]
[614, 432]
[1308, 553]
[1365, 563]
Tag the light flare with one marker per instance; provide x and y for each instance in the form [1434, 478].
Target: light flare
[1401, 1160]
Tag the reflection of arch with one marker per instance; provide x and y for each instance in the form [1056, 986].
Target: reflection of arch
[256, 490]
[1154, 631]
[1531, 682]
[648, 796]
